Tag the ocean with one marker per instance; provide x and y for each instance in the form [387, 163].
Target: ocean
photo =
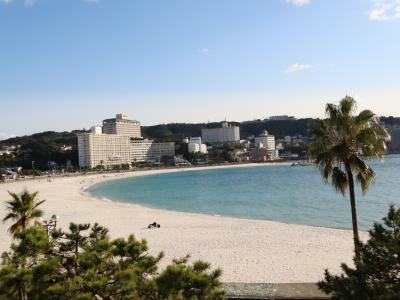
[278, 193]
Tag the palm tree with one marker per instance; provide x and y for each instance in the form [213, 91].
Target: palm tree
[343, 143]
[23, 211]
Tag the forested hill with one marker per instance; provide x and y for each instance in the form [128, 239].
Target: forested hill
[42, 148]
[48, 146]
[178, 131]
[174, 132]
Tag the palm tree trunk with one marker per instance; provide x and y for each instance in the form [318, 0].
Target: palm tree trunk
[21, 294]
[356, 237]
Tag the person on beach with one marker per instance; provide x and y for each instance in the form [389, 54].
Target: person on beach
[154, 225]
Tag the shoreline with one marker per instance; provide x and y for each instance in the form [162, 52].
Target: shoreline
[175, 170]
[247, 250]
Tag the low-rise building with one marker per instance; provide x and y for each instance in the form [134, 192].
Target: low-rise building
[195, 146]
[180, 161]
[149, 151]
[259, 154]
[282, 118]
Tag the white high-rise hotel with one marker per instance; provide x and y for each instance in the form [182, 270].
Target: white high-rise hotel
[225, 133]
[267, 141]
[119, 141]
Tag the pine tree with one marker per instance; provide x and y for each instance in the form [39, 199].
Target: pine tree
[84, 263]
[377, 276]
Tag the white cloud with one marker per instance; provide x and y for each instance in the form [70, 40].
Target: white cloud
[6, 1]
[384, 10]
[298, 67]
[299, 2]
[205, 50]
[5, 136]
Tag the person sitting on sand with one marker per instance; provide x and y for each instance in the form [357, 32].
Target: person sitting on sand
[154, 225]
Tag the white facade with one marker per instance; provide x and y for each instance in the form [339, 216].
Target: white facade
[225, 133]
[111, 149]
[120, 125]
[267, 142]
[148, 151]
[96, 129]
[103, 150]
[197, 148]
[195, 145]
[266, 139]
[195, 140]
[117, 143]
[273, 153]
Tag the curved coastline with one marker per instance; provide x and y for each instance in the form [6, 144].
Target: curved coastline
[199, 169]
[247, 250]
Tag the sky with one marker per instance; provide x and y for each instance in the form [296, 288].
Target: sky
[69, 64]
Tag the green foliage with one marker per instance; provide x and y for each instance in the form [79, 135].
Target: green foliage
[343, 142]
[42, 148]
[223, 153]
[22, 209]
[377, 276]
[99, 168]
[178, 131]
[84, 263]
[183, 281]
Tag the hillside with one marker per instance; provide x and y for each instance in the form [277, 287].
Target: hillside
[48, 146]
[178, 131]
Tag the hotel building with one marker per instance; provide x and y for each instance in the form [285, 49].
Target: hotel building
[121, 125]
[148, 151]
[267, 140]
[195, 146]
[119, 142]
[223, 134]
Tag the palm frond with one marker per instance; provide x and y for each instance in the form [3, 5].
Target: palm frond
[366, 178]
[36, 213]
[22, 210]
[39, 203]
[365, 118]
[347, 106]
[331, 111]
[9, 216]
[339, 180]
[348, 139]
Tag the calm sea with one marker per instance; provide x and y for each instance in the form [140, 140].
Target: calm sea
[279, 193]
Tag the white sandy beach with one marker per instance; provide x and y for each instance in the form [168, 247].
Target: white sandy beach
[246, 250]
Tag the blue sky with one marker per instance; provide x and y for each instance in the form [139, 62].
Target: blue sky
[67, 64]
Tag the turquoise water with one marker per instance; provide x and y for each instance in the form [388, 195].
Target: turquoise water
[280, 193]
